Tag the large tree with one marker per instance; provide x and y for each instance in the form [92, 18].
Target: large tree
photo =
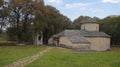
[56, 22]
[20, 18]
[3, 14]
[1, 2]
[77, 22]
[30, 18]
[111, 25]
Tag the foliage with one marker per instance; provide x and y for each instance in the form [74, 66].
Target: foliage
[77, 22]
[3, 14]
[20, 15]
[1, 2]
[1, 32]
[28, 17]
[20, 19]
[56, 22]
[11, 34]
[111, 25]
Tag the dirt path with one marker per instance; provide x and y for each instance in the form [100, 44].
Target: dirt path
[24, 61]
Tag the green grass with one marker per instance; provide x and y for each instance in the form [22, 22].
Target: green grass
[9, 54]
[67, 58]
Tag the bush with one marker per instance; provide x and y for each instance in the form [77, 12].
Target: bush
[8, 44]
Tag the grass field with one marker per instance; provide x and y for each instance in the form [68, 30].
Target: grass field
[58, 57]
[9, 54]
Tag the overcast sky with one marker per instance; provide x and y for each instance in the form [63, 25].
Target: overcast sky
[75, 8]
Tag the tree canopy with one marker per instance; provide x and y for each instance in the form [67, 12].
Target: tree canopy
[111, 25]
[28, 17]
[77, 22]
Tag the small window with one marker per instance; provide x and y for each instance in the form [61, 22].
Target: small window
[39, 38]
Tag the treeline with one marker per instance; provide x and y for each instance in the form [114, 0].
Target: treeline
[109, 25]
[23, 19]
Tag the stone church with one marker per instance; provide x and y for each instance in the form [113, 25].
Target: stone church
[88, 38]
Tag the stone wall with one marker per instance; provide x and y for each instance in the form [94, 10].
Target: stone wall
[96, 43]
[99, 43]
[90, 27]
[80, 46]
[50, 41]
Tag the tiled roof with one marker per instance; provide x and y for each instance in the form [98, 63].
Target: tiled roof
[93, 34]
[73, 36]
[78, 36]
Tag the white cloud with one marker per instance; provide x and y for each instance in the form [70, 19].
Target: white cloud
[94, 10]
[55, 1]
[76, 5]
[111, 1]
[6, 0]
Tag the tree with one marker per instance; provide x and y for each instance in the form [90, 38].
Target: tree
[29, 19]
[1, 32]
[56, 22]
[39, 23]
[77, 22]
[111, 25]
[20, 18]
[25, 17]
[11, 35]
[3, 14]
[1, 2]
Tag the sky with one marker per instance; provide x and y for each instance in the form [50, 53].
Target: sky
[75, 8]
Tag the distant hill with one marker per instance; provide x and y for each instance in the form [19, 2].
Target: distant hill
[114, 16]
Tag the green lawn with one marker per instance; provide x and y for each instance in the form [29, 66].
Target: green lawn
[9, 54]
[67, 58]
